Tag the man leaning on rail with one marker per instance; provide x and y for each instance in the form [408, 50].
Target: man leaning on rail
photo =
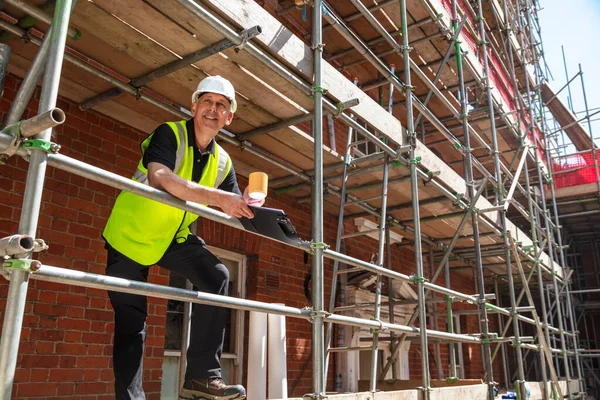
[181, 158]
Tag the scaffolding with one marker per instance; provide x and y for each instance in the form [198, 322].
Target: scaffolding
[489, 111]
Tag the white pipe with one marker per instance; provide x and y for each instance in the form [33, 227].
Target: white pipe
[277, 355]
[257, 356]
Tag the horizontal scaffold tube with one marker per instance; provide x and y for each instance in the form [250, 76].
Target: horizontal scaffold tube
[72, 277]
[85, 279]
[346, 320]
[393, 274]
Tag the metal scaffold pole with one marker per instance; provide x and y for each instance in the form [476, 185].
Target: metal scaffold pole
[538, 267]
[418, 247]
[19, 279]
[551, 247]
[561, 248]
[452, 347]
[521, 116]
[388, 245]
[338, 243]
[383, 240]
[380, 261]
[318, 244]
[505, 366]
[483, 318]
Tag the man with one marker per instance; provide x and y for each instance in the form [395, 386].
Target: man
[181, 158]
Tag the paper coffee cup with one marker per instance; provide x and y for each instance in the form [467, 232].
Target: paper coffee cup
[259, 183]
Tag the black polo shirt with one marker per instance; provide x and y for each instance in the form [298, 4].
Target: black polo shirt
[163, 148]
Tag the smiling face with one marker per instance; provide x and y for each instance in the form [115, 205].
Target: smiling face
[211, 113]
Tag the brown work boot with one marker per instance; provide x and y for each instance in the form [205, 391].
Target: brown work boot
[211, 389]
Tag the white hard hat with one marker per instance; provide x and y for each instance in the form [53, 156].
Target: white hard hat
[216, 84]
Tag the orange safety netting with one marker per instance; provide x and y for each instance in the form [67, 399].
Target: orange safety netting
[578, 169]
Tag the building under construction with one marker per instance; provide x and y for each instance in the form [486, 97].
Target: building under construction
[437, 239]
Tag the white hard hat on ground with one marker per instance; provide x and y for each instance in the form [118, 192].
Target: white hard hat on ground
[216, 84]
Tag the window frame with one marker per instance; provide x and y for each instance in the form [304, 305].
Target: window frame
[238, 356]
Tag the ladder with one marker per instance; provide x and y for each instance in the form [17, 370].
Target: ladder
[354, 148]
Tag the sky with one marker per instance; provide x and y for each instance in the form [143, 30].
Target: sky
[574, 24]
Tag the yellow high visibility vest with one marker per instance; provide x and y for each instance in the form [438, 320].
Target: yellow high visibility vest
[142, 229]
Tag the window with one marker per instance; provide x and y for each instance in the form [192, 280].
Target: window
[232, 357]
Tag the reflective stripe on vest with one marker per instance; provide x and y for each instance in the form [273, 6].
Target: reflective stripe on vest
[142, 229]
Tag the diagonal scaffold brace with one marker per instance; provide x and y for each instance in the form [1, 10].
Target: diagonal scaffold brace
[543, 344]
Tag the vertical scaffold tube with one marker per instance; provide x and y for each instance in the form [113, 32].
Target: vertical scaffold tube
[551, 247]
[483, 318]
[538, 266]
[317, 210]
[338, 243]
[388, 245]
[520, 117]
[19, 280]
[450, 324]
[380, 259]
[505, 367]
[414, 183]
[561, 250]
[434, 318]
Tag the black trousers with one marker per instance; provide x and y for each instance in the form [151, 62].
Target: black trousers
[193, 261]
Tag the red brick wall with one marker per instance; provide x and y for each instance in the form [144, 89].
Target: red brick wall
[67, 333]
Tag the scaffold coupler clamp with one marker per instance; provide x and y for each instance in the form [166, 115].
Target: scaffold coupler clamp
[448, 35]
[430, 176]
[406, 48]
[512, 341]
[458, 202]
[245, 144]
[343, 105]
[493, 336]
[245, 36]
[19, 244]
[316, 89]
[318, 46]
[39, 144]
[314, 314]
[408, 89]
[425, 390]
[381, 326]
[13, 146]
[19, 264]
[480, 300]
[417, 279]
[319, 245]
